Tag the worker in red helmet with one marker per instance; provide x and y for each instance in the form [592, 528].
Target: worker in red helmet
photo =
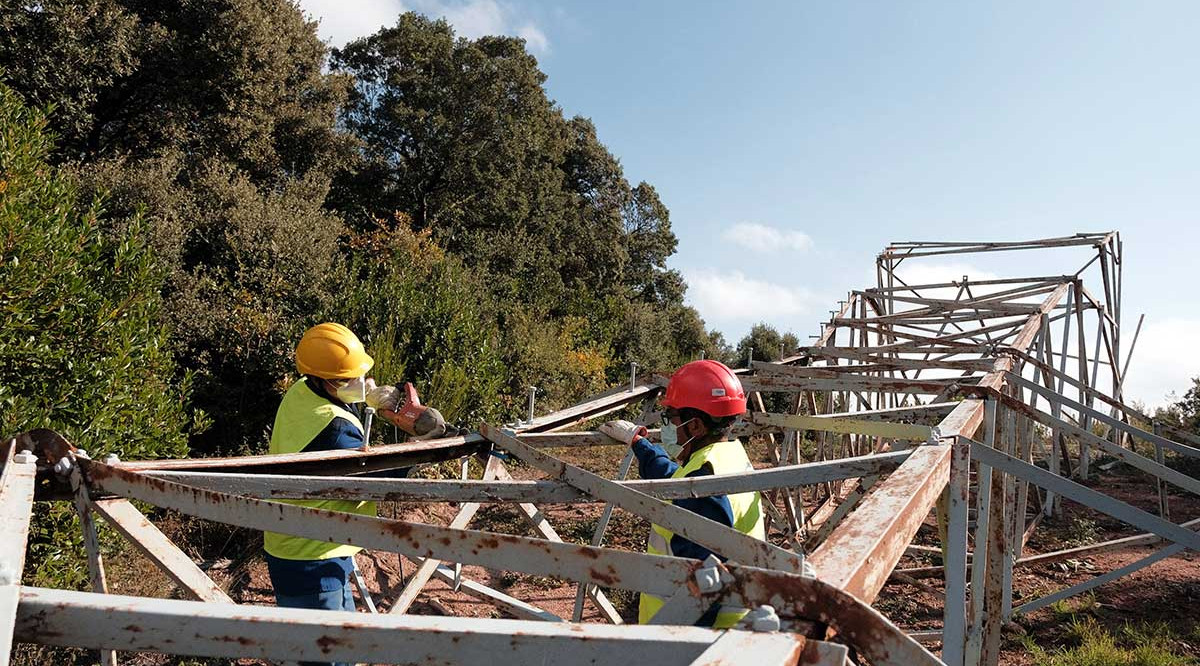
[703, 400]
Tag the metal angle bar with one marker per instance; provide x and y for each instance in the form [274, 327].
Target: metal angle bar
[1106, 419]
[604, 566]
[1123, 543]
[944, 285]
[1102, 579]
[264, 486]
[582, 591]
[513, 605]
[428, 566]
[155, 545]
[906, 431]
[391, 456]
[591, 408]
[16, 507]
[843, 509]
[857, 383]
[546, 531]
[82, 619]
[344, 461]
[1189, 483]
[1084, 495]
[954, 627]
[979, 560]
[720, 538]
[864, 628]
[598, 535]
[91, 544]
[876, 533]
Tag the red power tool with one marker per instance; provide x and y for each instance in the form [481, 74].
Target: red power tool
[402, 407]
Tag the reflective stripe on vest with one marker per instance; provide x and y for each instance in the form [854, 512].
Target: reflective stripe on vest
[301, 417]
[725, 458]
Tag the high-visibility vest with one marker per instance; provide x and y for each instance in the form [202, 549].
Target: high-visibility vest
[301, 417]
[725, 458]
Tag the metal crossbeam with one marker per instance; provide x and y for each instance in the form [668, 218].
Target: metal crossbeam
[270, 486]
[16, 506]
[96, 621]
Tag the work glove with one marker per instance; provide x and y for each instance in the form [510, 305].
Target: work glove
[623, 431]
[384, 398]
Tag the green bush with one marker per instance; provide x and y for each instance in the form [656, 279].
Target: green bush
[81, 347]
[425, 319]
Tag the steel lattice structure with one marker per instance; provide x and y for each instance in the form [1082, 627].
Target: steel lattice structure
[914, 400]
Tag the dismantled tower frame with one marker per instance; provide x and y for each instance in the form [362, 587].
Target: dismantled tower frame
[970, 404]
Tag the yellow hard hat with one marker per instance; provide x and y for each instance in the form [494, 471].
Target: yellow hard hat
[332, 351]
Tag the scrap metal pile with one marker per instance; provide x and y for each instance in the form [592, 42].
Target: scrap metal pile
[968, 405]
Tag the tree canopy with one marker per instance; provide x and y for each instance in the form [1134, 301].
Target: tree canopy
[395, 184]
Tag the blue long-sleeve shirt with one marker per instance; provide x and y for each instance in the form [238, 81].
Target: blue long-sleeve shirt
[655, 463]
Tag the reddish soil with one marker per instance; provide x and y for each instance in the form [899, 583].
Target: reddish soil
[1167, 591]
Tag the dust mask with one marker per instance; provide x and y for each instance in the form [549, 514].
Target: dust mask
[669, 435]
[352, 391]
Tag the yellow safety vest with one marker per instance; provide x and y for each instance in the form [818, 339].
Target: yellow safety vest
[725, 458]
[301, 417]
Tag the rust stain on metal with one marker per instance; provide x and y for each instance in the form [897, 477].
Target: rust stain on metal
[608, 578]
[327, 643]
[240, 640]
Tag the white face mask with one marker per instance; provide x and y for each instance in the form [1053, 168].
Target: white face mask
[670, 438]
[354, 390]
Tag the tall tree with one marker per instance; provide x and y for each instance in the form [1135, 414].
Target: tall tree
[459, 134]
[241, 79]
[215, 121]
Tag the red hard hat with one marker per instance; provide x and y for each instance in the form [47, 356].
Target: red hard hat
[708, 386]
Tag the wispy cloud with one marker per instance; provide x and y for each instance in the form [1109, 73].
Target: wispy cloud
[732, 302]
[470, 18]
[534, 38]
[763, 238]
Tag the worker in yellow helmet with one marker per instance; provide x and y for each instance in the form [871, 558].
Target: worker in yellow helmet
[315, 416]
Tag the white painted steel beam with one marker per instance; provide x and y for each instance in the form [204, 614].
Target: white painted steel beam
[16, 506]
[155, 545]
[100, 621]
[906, 431]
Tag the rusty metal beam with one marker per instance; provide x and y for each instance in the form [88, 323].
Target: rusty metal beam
[155, 545]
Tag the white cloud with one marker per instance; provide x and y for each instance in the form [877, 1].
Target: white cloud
[1165, 360]
[471, 19]
[762, 238]
[732, 302]
[343, 21]
[534, 38]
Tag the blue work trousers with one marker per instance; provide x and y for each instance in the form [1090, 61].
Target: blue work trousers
[337, 600]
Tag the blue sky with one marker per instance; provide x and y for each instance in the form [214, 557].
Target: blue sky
[792, 141]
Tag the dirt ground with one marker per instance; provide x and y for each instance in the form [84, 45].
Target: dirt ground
[1168, 591]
